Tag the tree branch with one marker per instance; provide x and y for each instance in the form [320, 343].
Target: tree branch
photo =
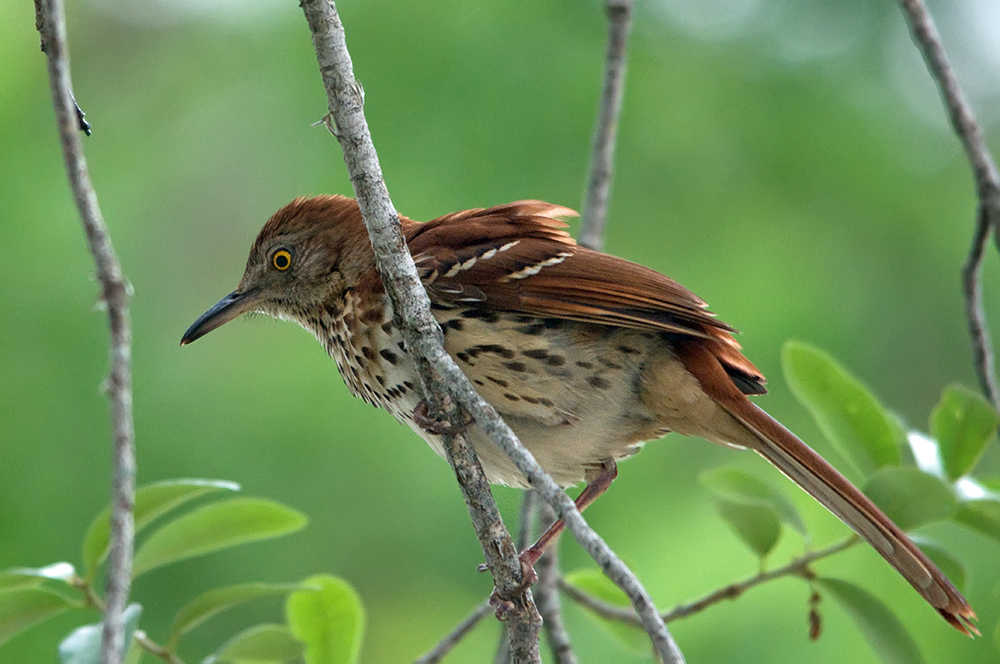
[595, 206]
[797, 567]
[421, 332]
[51, 22]
[984, 169]
[451, 640]
[446, 388]
[547, 596]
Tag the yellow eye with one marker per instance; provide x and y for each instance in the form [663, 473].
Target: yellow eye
[281, 260]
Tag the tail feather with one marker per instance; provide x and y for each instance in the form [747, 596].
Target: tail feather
[824, 483]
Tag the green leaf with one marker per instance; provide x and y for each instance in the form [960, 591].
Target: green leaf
[597, 585]
[740, 486]
[756, 525]
[16, 577]
[151, 502]
[847, 413]
[963, 423]
[911, 497]
[885, 634]
[21, 607]
[260, 643]
[214, 527]
[952, 567]
[212, 602]
[83, 645]
[982, 515]
[330, 621]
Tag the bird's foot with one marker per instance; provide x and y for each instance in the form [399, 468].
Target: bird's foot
[503, 602]
[435, 425]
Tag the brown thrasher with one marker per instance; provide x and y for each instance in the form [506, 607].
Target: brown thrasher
[585, 355]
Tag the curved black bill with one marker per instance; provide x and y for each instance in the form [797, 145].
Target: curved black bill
[221, 312]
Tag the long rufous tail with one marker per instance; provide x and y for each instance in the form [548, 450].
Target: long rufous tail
[824, 483]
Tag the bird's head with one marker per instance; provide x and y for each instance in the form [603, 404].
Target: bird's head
[308, 254]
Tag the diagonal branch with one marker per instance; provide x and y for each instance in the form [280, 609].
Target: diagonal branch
[51, 22]
[984, 169]
[451, 640]
[445, 386]
[595, 206]
[797, 567]
[420, 331]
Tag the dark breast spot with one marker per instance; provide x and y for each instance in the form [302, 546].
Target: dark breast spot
[484, 315]
[498, 381]
[555, 360]
[368, 352]
[598, 382]
[497, 349]
[372, 316]
[389, 356]
[515, 366]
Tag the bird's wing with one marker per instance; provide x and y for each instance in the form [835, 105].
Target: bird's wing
[518, 258]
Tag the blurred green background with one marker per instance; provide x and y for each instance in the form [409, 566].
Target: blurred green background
[789, 162]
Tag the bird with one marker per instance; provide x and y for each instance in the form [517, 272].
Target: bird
[587, 356]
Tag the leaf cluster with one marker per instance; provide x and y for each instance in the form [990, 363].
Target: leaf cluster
[914, 477]
[324, 615]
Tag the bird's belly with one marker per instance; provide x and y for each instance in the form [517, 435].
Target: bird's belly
[570, 393]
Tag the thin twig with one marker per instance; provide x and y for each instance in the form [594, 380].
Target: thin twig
[797, 567]
[547, 597]
[595, 206]
[526, 519]
[972, 289]
[451, 640]
[114, 298]
[984, 169]
[446, 388]
[155, 649]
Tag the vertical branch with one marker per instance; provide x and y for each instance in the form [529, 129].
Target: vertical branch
[526, 523]
[984, 169]
[595, 207]
[51, 22]
[547, 596]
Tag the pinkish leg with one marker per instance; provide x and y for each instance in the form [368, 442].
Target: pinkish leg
[596, 485]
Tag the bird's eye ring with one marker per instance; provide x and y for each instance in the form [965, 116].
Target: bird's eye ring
[281, 260]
